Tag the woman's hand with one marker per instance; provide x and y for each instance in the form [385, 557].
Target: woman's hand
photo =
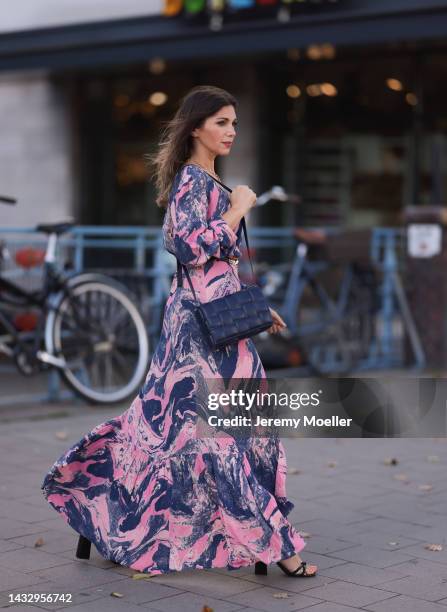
[278, 322]
[242, 199]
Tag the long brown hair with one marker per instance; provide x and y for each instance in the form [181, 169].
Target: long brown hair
[175, 145]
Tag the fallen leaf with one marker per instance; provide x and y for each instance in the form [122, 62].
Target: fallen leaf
[425, 487]
[281, 595]
[207, 609]
[61, 435]
[115, 594]
[433, 459]
[332, 464]
[304, 534]
[433, 547]
[39, 542]
[142, 576]
[293, 471]
[390, 461]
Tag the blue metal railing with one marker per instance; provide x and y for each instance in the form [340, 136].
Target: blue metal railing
[144, 245]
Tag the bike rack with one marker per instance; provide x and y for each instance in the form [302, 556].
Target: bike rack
[146, 243]
[386, 246]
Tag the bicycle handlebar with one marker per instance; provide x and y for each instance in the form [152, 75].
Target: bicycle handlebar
[277, 193]
[7, 200]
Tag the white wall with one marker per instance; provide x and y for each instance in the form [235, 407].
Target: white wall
[30, 14]
[35, 151]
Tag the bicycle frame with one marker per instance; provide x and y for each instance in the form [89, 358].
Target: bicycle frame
[51, 284]
[55, 287]
[28, 299]
[303, 273]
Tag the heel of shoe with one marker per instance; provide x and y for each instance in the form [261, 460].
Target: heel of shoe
[83, 549]
[260, 568]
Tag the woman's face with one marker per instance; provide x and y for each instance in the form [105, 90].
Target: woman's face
[217, 133]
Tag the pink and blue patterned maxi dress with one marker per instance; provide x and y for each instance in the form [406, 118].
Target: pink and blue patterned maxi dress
[148, 493]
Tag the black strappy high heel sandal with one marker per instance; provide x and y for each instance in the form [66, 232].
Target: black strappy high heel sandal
[299, 572]
[83, 549]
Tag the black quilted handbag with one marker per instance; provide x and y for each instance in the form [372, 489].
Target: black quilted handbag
[233, 317]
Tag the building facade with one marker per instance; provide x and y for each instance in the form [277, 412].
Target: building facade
[339, 102]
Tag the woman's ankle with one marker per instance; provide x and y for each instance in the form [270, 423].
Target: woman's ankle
[291, 562]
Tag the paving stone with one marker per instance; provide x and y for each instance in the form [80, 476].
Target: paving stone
[366, 555]
[11, 528]
[122, 570]
[36, 499]
[348, 594]
[427, 588]
[363, 575]
[10, 579]
[347, 502]
[70, 575]
[135, 591]
[346, 517]
[436, 533]
[53, 541]
[29, 559]
[397, 528]
[401, 603]
[95, 560]
[20, 607]
[328, 527]
[307, 510]
[11, 489]
[7, 545]
[358, 490]
[331, 607]
[420, 551]
[105, 604]
[191, 602]
[242, 572]
[402, 512]
[263, 600]
[383, 541]
[205, 582]
[421, 567]
[249, 609]
[24, 512]
[440, 506]
[325, 544]
[57, 523]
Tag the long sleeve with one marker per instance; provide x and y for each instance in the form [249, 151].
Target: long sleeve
[197, 238]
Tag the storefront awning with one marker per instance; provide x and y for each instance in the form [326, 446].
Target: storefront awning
[359, 22]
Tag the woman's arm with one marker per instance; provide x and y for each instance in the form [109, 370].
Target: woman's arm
[196, 239]
[233, 217]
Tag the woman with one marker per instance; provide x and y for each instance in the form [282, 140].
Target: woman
[147, 492]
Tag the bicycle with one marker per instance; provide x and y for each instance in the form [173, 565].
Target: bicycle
[329, 303]
[87, 327]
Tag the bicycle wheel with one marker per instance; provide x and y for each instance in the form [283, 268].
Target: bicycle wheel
[101, 336]
[335, 342]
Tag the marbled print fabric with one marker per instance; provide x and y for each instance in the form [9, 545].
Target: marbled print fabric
[142, 486]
